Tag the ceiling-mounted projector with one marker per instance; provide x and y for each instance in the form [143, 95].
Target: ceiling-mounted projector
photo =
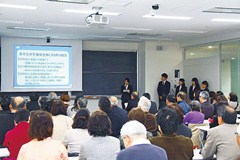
[96, 19]
[74, 1]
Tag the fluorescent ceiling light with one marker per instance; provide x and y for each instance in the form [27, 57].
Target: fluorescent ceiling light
[131, 28]
[10, 21]
[167, 17]
[99, 36]
[233, 58]
[74, 1]
[27, 28]
[65, 25]
[225, 20]
[90, 12]
[153, 38]
[210, 47]
[192, 54]
[186, 31]
[5, 5]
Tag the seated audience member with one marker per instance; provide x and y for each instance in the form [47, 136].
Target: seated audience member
[182, 128]
[195, 116]
[137, 146]
[8, 123]
[99, 127]
[66, 99]
[61, 121]
[194, 89]
[133, 102]
[138, 115]
[52, 96]
[45, 104]
[177, 147]
[170, 99]
[220, 93]
[221, 140]
[221, 100]
[181, 99]
[116, 121]
[15, 138]
[151, 122]
[77, 136]
[153, 109]
[42, 146]
[204, 86]
[33, 103]
[72, 110]
[213, 101]
[181, 87]
[117, 110]
[81, 103]
[5, 104]
[206, 108]
[233, 101]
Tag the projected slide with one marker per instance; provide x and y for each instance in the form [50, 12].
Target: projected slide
[42, 67]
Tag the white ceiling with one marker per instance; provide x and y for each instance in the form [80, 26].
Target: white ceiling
[131, 15]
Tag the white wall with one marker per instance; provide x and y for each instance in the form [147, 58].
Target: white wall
[7, 61]
[226, 77]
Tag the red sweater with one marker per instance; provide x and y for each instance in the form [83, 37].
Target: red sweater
[15, 138]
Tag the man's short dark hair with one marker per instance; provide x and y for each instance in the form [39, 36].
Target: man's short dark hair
[147, 95]
[41, 125]
[228, 114]
[81, 118]
[5, 102]
[58, 108]
[178, 110]
[167, 119]
[233, 97]
[171, 98]
[127, 79]
[219, 93]
[104, 104]
[21, 115]
[18, 105]
[34, 97]
[165, 75]
[99, 124]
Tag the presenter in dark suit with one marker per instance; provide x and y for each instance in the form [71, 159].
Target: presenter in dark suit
[163, 90]
[181, 87]
[194, 90]
[126, 91]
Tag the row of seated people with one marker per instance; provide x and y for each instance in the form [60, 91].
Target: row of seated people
[76, 136]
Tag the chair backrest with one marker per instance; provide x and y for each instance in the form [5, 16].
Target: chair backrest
[6, 124]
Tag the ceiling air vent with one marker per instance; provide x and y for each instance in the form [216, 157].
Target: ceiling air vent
[73, 1]
[223, 10]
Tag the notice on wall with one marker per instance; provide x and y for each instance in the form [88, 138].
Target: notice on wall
[42, 66]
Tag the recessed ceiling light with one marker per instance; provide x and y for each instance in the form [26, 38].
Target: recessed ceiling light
[187, 31]
[210, 47]
[27, 28]
[65, 25]
[225, 20]
[131, 28]
[5, 5]
[192, 54]
[90, 12]
[233, 58]
[10, 21]
[167, 17]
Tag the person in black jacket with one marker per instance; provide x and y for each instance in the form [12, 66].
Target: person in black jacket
[33, 103]
[126, 91]
[133, 102]
[194, 90]
[163, 90]
[204, 86]
[181, 86]
[153, 108]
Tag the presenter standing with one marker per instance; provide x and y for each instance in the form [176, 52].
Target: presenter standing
[163, 90]
[126, 91]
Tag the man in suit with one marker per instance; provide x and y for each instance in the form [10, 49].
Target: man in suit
[126, 91]
[153, 108]
[138, 147]
[181, 87]
[206, 108]
[117, 110]
[163, 90]
[177, 147]
[133, 102]
[221, 140]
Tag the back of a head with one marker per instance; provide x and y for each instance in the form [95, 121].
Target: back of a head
[195, 105]
[133, 129]
[34, 97]
[222, 99]
[104, 104]
[58, 108]
[167, 120]
[171, 98]
[5, 102]
[65, 97]
[145, 104]
[81, 118]
[52, 96]
[219, 93]
[114, 101]
[99, 125]
[137, 114]
[22, 115]
[135, 95]
[228, 114]
[182, 96]
[233, 97]
[147, 95]
[76, 99]
[204, 95]
[178, 110]
[18, 103]
[45, 104]
[82, 102]
[41, 125]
